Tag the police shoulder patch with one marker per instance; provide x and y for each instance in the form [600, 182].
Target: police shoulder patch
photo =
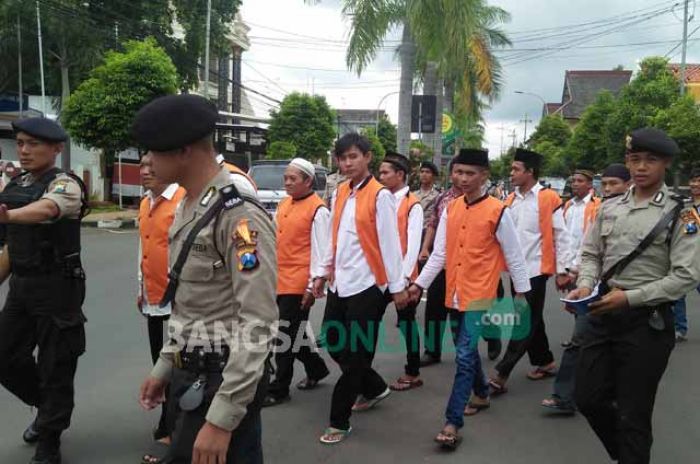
[690, 222]
[59, 186]
[245, 241]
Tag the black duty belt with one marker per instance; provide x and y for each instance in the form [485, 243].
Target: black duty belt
[200, 360]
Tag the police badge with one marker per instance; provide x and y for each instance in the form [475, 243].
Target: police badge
[246, 242]
[690, 222]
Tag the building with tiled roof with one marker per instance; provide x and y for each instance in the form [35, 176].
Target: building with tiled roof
[692, 78]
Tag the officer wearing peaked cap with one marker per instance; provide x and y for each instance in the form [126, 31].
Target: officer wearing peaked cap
[40, 210]
[642, 253]
[222, 289]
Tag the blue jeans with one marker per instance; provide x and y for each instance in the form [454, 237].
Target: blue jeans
[469, 375]
[680, 317]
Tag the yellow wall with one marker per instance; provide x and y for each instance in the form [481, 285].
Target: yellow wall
[693, 90]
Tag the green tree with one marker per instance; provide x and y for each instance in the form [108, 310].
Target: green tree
[100, 112]
[552, 128]
[281, 150]
[387, 133]
[306, 121]
[378, 151]
[682, 122]
[590, 138]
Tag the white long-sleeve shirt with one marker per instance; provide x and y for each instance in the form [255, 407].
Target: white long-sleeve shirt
[320, 237]
[574, 218]
[414, 233]
[525, 212]
[507, 237]
[351, 269]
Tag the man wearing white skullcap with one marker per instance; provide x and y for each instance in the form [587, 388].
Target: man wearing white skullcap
[303, 226]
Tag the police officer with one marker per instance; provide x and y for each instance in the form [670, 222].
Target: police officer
[222, 255]
[41, 210]
[643, 249]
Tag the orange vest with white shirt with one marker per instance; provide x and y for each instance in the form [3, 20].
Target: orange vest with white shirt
[404, 210]
[589, 213]
[154, 224]
[547, 203]
[365, 223]
[474, 256]
[295, 220]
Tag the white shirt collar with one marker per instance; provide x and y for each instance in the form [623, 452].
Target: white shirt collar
[168, 193]
[534, 190]
[399, 194]
[585, 199]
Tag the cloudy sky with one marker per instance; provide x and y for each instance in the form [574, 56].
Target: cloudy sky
[297, 47]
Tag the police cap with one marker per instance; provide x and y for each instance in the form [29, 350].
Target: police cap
[617, 170]
[174, 121]
[652, 140]
[41, 128]
[430, 165]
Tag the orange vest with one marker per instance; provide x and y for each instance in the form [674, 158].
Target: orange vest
[548, 202]
[408, 202]
[153, 229]
[294, 223]
[365, 223]
[589, 212]
[474, 256]
[233, 169]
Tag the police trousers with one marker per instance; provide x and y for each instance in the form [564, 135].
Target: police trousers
[43, 311]
[246, 440]
[619, 369]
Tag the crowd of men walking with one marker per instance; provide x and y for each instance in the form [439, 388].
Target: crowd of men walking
[232, 283]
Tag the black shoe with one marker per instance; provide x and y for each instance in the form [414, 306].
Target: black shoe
[31, 434]
[54, 458]
[48, 452]
[495, 347]
[428, 360]
[275, 401]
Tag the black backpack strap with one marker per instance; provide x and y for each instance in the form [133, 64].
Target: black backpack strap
[668, 218]
[84, 206]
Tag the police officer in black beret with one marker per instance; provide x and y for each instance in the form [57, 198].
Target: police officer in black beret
[41, 209]
[642, 253]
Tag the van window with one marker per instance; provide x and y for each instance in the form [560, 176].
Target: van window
[268, 176]
[320, 183]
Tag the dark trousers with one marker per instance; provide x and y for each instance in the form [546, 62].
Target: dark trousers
[293, 319]
[352, 327]
[156, 338]
[565, 382]
[43, 312]
[619, 370]
[246, 440]
[436, 315]
[411, 336]
[536, 345]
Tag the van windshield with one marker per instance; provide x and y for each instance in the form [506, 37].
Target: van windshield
[268, 177]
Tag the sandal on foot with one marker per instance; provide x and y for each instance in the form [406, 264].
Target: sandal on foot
[150, 459]
[473, 409]
[274, 401]
[557, 405]
[332, 436]
[365, 404]
[496, 388]
[308, 384]
[540, 374]
[405, 384]
[448, 440]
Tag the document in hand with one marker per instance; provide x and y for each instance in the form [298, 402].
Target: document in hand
[581, 306]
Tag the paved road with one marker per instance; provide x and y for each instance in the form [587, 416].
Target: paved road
[110, 428]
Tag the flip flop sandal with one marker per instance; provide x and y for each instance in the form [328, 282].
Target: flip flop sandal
[368, 404]
[559, 406]
[150, 459]
[405, 384]
[496, 388]
[541, 374]
[476, 407]
[307, 384]
[448, 441]
[333, 436]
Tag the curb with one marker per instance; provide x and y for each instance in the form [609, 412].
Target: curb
[110, 224]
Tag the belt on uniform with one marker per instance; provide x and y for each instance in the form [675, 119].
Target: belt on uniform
[199, 360]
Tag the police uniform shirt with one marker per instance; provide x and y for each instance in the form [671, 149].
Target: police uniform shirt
[427, 202]
[222, 299]
[664, 272]
[64, 191]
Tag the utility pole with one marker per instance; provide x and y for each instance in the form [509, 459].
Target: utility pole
[20, 89]
[685, 46]
[41, 59]
[502, 129]
[206, 51]
[513, 136]
[525, 133]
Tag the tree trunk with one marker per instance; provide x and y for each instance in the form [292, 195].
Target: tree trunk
[407, 52]
[65, 93]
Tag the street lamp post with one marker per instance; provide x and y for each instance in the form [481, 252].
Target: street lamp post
[520, 92]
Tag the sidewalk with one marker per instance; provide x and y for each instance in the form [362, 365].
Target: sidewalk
[125, 219]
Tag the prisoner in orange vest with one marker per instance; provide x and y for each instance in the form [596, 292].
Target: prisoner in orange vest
[302, 235]
[393, 173]
[475, 240]
[580, 212]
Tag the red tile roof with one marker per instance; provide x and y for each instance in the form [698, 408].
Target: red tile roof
[692, 71]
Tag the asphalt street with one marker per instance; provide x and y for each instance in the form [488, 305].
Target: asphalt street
[110, 428]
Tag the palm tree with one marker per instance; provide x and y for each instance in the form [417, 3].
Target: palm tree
[452, 40]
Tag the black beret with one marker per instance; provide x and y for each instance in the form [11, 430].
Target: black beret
[398, 160]
[472, 157]
[174, 121]
[617, 170]
[430, 165]
[41, 128]
[652, 140]
[528, 156]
